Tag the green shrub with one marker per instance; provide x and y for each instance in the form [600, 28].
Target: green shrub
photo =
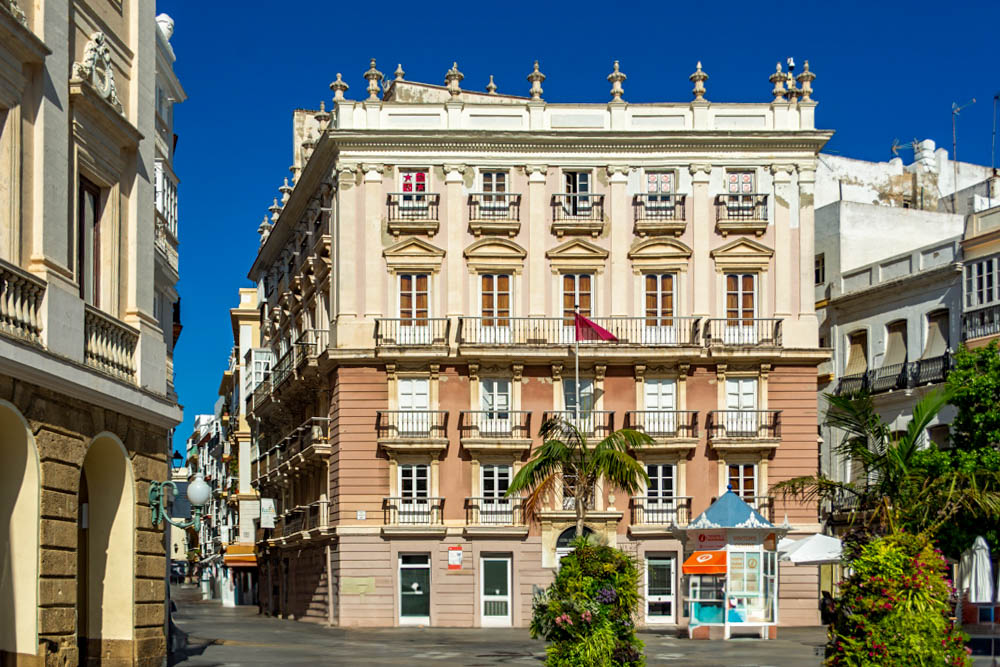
[587, 613]
[893, 608]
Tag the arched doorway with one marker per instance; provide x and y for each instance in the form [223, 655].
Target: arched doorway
[19, 489]
[564, 543]
[106, 553]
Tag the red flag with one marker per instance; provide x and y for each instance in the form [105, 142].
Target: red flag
[588, 330]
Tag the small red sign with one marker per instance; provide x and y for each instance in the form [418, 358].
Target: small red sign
[454, 558]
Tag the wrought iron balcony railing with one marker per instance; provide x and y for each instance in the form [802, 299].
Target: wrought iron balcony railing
[495, 206]
[658, 207]
[408, 511]
[670, 510]
[664, 423]
[664, 331]
[310, 344]
[494, 511]
[744, 424]
[590, 423]
[412, 331]
[747, 207]
[744, 332]
[981, 323]
[410, 424]
[495, 424]
[896, 376]
[413, 206]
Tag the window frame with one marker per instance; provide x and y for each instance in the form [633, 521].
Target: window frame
[89, 262]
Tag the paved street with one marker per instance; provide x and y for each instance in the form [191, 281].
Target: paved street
[218, 637]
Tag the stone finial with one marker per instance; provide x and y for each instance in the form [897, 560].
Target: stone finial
[20, 17]
[322, 117]
[452, 78]
[264, 229]
[399, 72]
[275, 209]
[806, 79]
[536, 79]
[699, 78]
[286, 192]
[374, 77]
[339, 87]
[491, 87]
[616, 78]
[778, 79]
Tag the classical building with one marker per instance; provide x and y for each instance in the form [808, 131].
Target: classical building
[981, 287]
[85, 401]
[417, 285]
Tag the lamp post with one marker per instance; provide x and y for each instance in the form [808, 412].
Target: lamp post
[198, 493]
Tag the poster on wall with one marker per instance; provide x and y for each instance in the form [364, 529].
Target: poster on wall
[267, 512]
[455, 558]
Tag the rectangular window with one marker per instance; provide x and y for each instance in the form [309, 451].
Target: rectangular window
[743, 479]
[89, 242]
[740, 182]
[414, 299]
[820, 269]
[495, 480]
[659, 188]
[494, 183]
[414, 394]
[980, 287]
[495, 304]
[577, 187]
[495, 398]
[741, 298]
[413, 183]
[413, 480]
[661, 481]
[660, 395]
[577, 289]
[586, 394]
[741, 393]
[659, 299]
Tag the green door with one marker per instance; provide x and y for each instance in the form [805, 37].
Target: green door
[414, 589]
[496, 592]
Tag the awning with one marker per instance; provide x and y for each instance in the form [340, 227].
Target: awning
[705, 562]
[240, 560]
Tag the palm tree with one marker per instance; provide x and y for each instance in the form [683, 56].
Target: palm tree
[891, 493]
[567, 455]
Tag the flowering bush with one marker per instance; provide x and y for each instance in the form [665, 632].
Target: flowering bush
[893, 608]
[586, 614]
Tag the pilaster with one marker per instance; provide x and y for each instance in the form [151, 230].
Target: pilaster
[537, 226]
[806, 332]
[701, 225]
[454, 278]
[374, 270]
[783, 251]
[621, 232]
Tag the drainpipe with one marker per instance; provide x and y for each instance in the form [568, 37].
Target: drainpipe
[329, 587]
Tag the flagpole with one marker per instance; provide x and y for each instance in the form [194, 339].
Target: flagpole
[576, 336]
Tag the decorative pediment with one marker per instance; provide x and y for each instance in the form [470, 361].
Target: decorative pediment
[495, 253]
[577, 254]
[413, 254]
[742, 253]
[659, 253]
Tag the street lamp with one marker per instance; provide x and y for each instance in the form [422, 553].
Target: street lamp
[198, 493]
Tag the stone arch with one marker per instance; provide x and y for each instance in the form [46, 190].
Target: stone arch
[19, 534]
[106, 553]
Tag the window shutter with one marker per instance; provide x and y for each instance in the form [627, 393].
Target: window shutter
[937, 335]
[895, 348]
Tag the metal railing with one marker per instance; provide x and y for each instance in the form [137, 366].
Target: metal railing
[400, 511]
[571, 206]
[315, 430]
[498, 424]
[981, 322]
[749, 207]
[409, 424]
[888, 378]
[590, 424]
[930, 370]
[661, 511]
[282, 369]
[664, 423]
[744, 424]
[494, 511]
[495, 206]
[310, 344]
[262, 391]
[744, 332]
[413, 206]
[21, 296]
[109, 344]
[411, 331]
[655, 207]
[896, 376]
[666, 331]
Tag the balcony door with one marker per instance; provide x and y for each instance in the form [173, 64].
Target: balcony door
[414, 589]
[577, 291]
[495, 403]
[576, 203]
[414, 308]
[743, 479]
[413, 185]
[496, 508]
[495, 308]
[414, 419]
[585, 423]
[661, 504]
[742, 418]
[660, 328]
[661, 600]
[414, 492]
[495, 587]
[494, 202]
[740, 189]
[660, 398]
[741, 309]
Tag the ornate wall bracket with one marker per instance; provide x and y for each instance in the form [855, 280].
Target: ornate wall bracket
[96, 69]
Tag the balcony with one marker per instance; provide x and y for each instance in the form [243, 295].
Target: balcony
[495, 516]
[595, 424]
[981, 323]
[309, 441]
[282, 370]
[659, 214]
[310, 346]
[261, 393]
[413, 516]
[403, 431]
[109, 344]
[744, 332]
[744, 429]
[653, 516]
[418, 332]
[494, 213]
[741, 214]
[657, 332]
[495, 431]
[575, 213]
[413, 213]
[671, 430]
[896, 377]
[21, 296]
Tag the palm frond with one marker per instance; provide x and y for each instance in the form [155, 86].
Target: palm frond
[619, 468]
[924, 413]
[535, 501]
[816, 487]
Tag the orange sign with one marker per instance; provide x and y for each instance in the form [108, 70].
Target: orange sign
[705, 562]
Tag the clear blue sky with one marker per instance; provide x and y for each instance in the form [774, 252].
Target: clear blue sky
[883, 73]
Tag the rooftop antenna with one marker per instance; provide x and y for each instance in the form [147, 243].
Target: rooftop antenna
[993, 151]
[955, 110]
[896, 147]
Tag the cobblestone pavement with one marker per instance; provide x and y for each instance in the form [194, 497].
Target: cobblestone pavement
[213, 636]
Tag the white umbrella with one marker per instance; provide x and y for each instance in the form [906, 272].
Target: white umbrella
[813, 550]
[976, 573]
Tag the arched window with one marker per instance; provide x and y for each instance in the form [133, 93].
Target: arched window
[567, 536]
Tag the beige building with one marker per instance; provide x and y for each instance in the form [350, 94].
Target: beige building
[417, 284]
[85, 401]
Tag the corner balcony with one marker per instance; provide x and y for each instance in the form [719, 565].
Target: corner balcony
[310, 346]
[309, 442]
[658, 516]
[413, 332]
[109, 344]
[744, 213]
[413, 213]
[744, 430]
[412, 431]
[507, 332]
[494, 213]
[495, 431]
[592, 424]
[754, 332]
[671, 430]
[574, 213]
[981, 323]
[495, 516]
[407, 516]
[659, 214]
